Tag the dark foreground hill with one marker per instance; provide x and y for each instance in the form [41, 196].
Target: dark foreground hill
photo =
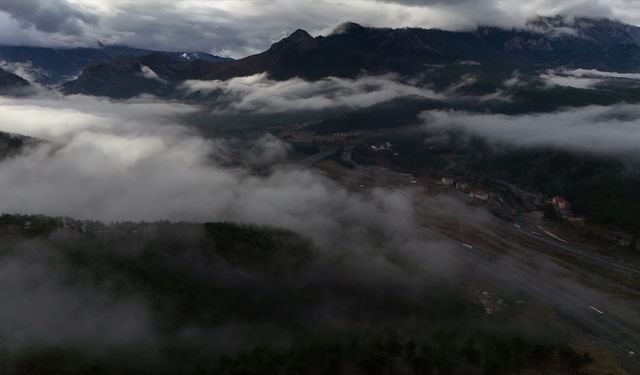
[221, 298]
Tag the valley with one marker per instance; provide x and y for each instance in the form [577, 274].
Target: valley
[268, 188]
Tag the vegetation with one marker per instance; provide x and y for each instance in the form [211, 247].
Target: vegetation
[604, 189]
[445, 352]
[322, 317]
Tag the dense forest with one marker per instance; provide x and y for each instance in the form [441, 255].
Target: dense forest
[224, 298]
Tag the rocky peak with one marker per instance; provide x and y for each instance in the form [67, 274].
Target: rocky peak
[602, 30]
[299, 40]
[405, 39]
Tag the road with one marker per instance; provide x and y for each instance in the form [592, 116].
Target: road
[528, 198]
[603, 261]
[313, 159]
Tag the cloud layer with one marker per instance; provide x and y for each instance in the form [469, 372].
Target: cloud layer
[604, 130]
[260, 94]
[51, 16]
[584, 78]
[134, 161]
[239, 28]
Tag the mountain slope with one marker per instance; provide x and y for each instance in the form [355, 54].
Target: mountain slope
[10, 82]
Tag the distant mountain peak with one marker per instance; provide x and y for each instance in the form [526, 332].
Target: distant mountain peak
[354, 50]
[347, 27]
[299, 40]
[548, 23]
[300, 34]
[601, 29]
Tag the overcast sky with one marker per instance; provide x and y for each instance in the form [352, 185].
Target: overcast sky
[241, 27]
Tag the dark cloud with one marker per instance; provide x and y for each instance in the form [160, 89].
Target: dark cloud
[434, 2]
[49, 16]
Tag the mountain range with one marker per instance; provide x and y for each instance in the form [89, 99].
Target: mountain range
[56, 65]
[351, 50]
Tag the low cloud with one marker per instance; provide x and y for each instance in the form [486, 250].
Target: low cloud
[25, 70]
[260, 94]
[148, 73]
[601, 74]
[134, 161]
[39, 305]
[555, 79]
[140, 160]
[583, 78]
[596, 129]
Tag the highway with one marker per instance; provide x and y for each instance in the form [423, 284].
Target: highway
[604, 261]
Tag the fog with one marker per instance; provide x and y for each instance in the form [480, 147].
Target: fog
[259, 94]
[578, 82]
[373, 263]
[613, 130]
[114, 161]
[39, 305]
[583, 78]
[24, 70]
[139, 160]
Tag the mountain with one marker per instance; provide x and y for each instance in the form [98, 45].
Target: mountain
[55, 65]
[11, 82]
[121, 77]
[352, 50]
[603, 31]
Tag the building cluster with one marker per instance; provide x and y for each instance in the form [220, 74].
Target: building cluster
[561, 205]
[386, 146]
[297, 126]
[447, 181]
[478, 194]
[489, 302]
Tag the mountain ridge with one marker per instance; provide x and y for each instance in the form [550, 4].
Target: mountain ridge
[55, 65]
[10, 82]
[352, 50]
